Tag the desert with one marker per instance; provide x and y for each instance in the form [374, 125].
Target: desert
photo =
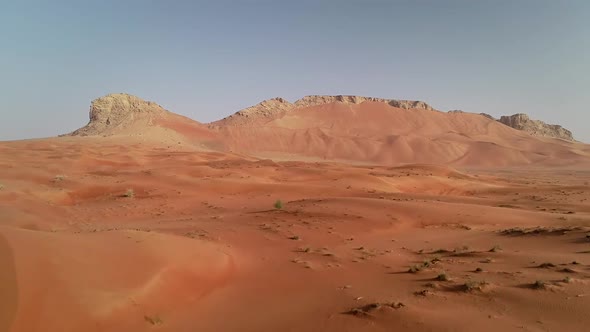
[330, 213]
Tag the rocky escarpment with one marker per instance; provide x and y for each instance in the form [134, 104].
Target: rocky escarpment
[535, 127]
[276, 107]
[265, 110]
[318, 100]
[118, 111]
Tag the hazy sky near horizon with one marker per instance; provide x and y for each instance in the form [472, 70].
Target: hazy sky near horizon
[208, 59]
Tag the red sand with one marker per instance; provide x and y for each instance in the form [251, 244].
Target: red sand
[199, 246]
[373, 132]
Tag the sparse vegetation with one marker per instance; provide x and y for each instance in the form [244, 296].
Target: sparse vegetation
[425, 264]
[546, 265]
[567, 280]
[278, 204]
[1, 186]
[130, 193]
[478, 270]
[294, 237]
[154, 320]
[59, 178]
[366, 310]
[539, 284]
[442, 277]
[462, 249]
[516, 231]
[496, 248]
[474, 285]
[415, 268]
[424, 292]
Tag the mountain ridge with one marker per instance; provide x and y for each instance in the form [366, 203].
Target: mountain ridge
[358, 129]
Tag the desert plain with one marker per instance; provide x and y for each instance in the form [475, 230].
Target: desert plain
[331, 216]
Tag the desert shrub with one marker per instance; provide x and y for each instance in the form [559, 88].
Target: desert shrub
[278, 204]
[415, 268]
[474, 285]
[496, 248]
[59, 178]
[129, 193]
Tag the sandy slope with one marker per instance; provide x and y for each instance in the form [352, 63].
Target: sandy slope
[199, 246]
[104, 281]
[346, 128]
[379, 133]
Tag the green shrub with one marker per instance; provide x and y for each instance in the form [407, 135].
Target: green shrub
[539, 284]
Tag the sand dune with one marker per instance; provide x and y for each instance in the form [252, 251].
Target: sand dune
[97, 282]
[198, 244]
[376, 132]
[348, 214]
[344, 128]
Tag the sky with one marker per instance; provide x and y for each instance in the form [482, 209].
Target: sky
[209, 59]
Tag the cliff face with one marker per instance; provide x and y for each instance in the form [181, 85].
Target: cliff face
[276, 107]
[318, 100]
[118, 111]
[265, 110]
[535, 127]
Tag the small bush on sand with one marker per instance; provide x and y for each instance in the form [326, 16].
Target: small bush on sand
[496, 248]
[130, 193]
[154, 320]
[442, 277]
[59, 178]
[278, 204]
[415, 268]
[474, 286]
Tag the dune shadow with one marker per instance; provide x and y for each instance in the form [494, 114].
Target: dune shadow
[8, 285]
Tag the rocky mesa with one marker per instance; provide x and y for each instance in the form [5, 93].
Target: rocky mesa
[346, 128]
[319, 100]
[523, 122]
[270, 109]
[115, 112]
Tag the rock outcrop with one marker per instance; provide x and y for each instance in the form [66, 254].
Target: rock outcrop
[115, 112]
[121, 113]
[535, 127]
[265, 110]
[318, 100]
[488, 116]
[273, 108]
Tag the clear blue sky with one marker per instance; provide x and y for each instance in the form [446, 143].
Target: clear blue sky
[208, 59]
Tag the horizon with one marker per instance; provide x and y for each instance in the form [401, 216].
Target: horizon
[501, 58]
